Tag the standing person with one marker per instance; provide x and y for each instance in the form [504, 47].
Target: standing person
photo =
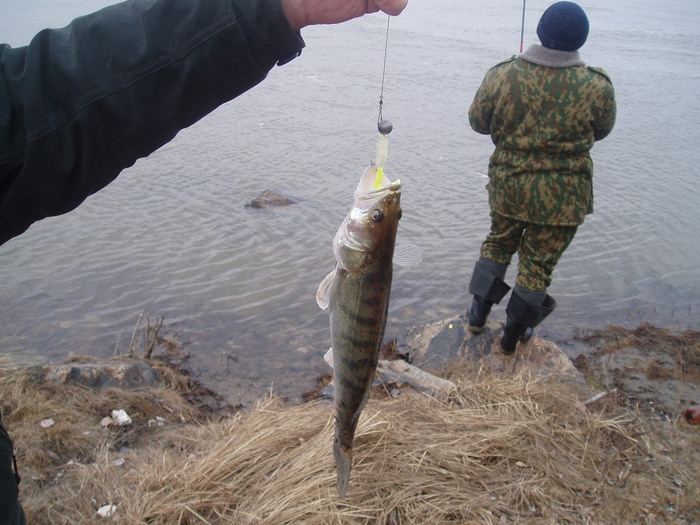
[544, 110]
[80, 104]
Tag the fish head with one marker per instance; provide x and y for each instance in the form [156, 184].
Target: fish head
[369, 230]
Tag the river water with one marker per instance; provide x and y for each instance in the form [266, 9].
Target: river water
[172, 237]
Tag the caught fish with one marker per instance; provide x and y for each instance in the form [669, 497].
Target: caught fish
[356, 294]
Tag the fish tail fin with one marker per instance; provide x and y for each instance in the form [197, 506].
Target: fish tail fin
[343, 464]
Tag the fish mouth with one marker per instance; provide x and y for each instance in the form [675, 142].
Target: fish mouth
[374, 193]
[375, 184]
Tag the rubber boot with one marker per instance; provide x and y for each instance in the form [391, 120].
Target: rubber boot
[523, 316]
[488, 287]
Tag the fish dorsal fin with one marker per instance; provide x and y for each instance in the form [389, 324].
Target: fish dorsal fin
[408, 255]
[324, 294]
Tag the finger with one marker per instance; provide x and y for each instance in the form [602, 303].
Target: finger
[391, 7]
[370, 7]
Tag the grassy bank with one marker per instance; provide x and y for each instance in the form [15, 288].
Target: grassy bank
[500, 450]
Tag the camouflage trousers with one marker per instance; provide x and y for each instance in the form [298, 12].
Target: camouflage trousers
[539, 248]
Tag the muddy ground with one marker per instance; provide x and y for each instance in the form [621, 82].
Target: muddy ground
[653, 368]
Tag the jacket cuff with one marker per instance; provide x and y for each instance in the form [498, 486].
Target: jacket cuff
[289, 38]
[275, 41]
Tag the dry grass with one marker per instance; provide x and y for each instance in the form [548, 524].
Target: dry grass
[500, 450]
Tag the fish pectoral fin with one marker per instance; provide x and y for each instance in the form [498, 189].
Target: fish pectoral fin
[408, 255]
[328, 357]
[324, 294]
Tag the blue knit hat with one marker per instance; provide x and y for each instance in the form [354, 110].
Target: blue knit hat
[563, 26]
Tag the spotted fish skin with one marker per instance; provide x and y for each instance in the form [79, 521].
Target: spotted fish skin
[356, 295]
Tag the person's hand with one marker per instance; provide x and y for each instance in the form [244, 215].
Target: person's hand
[301, 13]
[692, 414]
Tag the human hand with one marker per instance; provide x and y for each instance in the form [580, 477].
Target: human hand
[301, 13]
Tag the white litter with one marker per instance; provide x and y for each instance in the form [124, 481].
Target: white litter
[121, 418]
[106, 511]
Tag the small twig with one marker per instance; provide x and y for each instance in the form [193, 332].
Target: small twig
[600, 396]
[153, 339]
[133, 336]
[116, 346]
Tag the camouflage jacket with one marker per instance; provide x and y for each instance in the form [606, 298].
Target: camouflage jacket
[544, 111]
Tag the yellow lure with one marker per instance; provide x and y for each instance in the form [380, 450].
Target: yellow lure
[382, 150]
[378, 179]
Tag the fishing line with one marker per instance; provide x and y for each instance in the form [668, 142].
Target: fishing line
[386, 49]
[383, 126]
[522, 29]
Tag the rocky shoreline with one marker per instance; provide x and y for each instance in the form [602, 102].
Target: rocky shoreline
[657, 368]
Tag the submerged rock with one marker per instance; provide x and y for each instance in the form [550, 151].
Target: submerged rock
[269, 199]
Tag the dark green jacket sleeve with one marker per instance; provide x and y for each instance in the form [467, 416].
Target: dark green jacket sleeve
[481, 109]
[81, 103]
[605, 108]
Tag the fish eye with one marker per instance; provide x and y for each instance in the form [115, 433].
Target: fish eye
[377, 216]
[400, 214]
